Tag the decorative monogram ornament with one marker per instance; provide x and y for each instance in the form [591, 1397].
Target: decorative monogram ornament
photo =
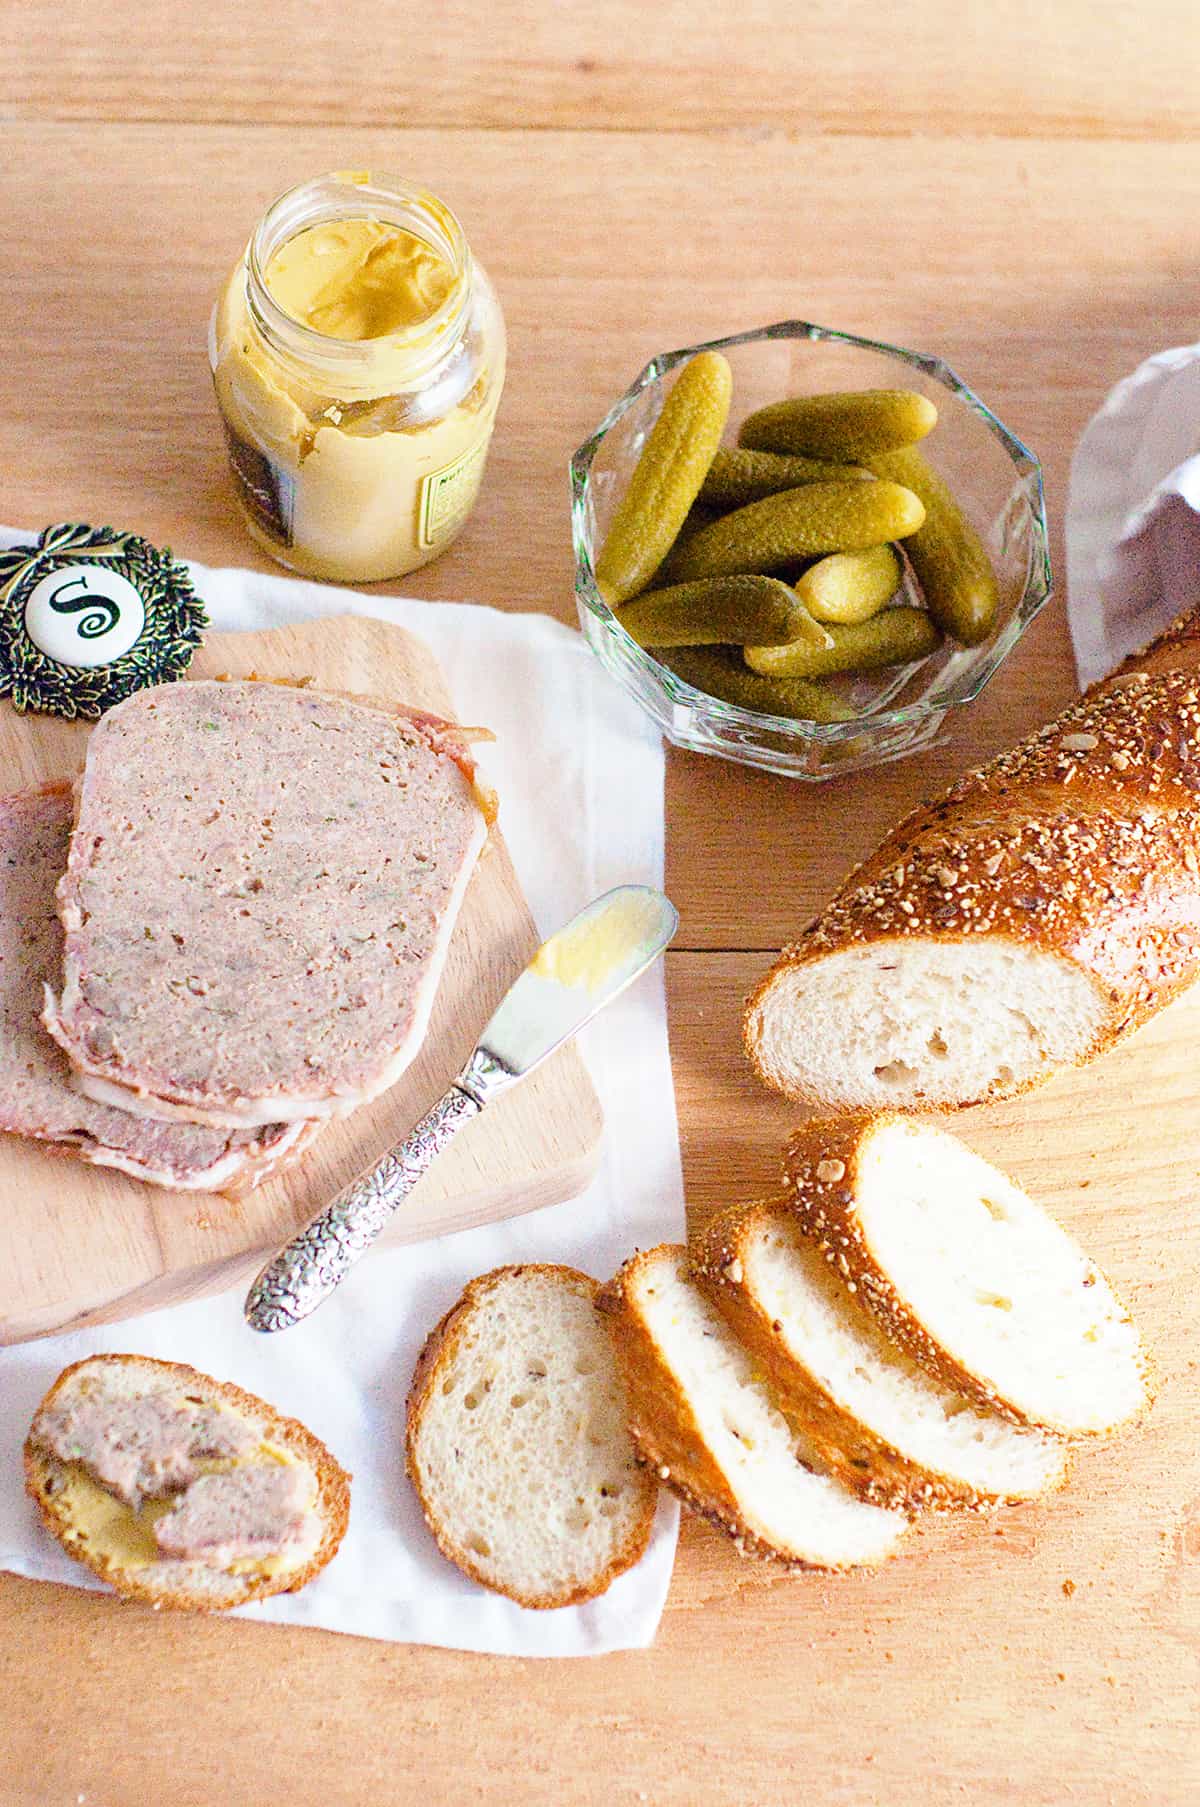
[89, 615]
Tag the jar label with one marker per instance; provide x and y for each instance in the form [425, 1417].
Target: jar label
[446, 496]
[267, 493]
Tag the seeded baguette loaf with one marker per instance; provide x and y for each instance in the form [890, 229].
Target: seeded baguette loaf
[889, 1431]
[968, 1274]
[1047, 906]
[516, 1440]
[706, 1420]
[162, 1579]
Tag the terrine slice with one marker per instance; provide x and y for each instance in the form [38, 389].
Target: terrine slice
[260, 893]
[36, 1097]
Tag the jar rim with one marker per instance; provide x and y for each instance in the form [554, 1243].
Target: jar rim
[359, 194]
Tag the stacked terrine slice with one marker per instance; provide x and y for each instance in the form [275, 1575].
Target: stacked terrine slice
[253, 913]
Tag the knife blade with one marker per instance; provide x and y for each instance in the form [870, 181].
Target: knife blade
[570, 979]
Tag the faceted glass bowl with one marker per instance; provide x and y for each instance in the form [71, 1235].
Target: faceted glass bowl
[995, 479]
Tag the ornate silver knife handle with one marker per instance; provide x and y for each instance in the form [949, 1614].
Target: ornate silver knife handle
[590, 961]
[307, 1269]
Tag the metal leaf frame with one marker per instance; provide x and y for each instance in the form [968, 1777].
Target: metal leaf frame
[174, 626]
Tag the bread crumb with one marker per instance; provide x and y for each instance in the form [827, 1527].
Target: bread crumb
[1068, 1587]
[829, 1171]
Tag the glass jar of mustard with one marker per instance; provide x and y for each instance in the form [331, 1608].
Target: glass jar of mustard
[358, 354]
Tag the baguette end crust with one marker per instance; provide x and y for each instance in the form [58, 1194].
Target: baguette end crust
[826, 1169]
[447, 1348]
[665, 1419]
[194, 1588]
[863, 1458]
[1046, 907]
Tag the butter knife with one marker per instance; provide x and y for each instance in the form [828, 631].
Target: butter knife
[570, 978]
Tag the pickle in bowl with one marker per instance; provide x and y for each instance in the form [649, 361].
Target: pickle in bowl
[738, 475]
[719, 611]
[720, 673]
[948, 558]
[847, 587]
[896, 637]
[799, 523]
[848, 427]
[666, 478]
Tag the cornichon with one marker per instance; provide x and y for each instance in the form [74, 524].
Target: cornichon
[799, 523]
[947, 555]
[666, 477]
[849, 586]
[719, 611]
[740, 476]
[719, 672]
[848, 428]
[894, 638]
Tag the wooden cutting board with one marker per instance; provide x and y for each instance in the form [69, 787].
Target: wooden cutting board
[82, 1245]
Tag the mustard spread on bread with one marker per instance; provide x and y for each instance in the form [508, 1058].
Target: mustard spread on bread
[181, 1489]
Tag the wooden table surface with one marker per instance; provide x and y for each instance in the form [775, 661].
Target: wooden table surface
[1017, 188]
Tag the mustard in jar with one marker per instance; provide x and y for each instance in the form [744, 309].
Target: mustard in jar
[358, 353]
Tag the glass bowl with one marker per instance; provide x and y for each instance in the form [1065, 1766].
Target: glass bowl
[995, 479]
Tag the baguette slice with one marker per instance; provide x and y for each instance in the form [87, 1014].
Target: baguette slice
[889, 1431]
[1046, 907]
[704, 1416]
[517, 1443]
[115, 1540]
[963, 1269]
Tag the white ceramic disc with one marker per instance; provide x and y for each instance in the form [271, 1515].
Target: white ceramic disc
[84, 615]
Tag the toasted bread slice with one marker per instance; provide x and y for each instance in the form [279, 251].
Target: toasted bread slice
[704, 1416]
[517, 1443]
[979, 1283]
[115, 1538]
[892, 1433]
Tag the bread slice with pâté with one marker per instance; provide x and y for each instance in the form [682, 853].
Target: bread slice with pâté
[517, 1442]
[891, 1432]
[182, 1490]
[705, 1417]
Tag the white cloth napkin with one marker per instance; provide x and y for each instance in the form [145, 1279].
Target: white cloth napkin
[1133, 513]
[580, 776]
